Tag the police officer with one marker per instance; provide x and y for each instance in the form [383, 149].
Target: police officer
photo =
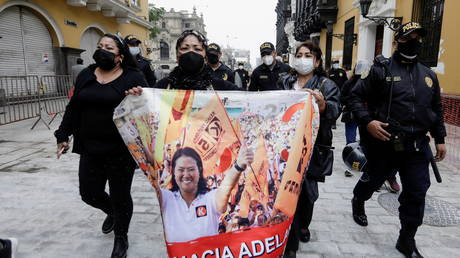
[266, 75]
[243, 76]
[403, 104]
[219, 70]
[337, 74]
[144, 64]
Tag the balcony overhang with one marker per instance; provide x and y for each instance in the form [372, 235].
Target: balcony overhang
[124, 12]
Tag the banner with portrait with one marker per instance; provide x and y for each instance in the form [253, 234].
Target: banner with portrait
[190, 144]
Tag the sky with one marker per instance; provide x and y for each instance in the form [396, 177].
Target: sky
[242, 24]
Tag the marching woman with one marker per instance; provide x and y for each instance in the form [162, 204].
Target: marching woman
[103, 154]
[310, 76]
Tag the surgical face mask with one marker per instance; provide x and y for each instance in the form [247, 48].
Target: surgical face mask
[191, 62]
[104, 59]
[268, 60]
[335, 66]
[303, 65]
[240, 67]
[410, 48]
[134, 50]
[213, 59]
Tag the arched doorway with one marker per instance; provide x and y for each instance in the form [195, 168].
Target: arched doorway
[88, 42]
[164, 50]
[26, 46]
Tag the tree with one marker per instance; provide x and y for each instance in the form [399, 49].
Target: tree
[155, 14]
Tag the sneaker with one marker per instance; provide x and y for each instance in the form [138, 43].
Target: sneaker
[108, 225]
[348, 173]
[393, 185]
[10, 247]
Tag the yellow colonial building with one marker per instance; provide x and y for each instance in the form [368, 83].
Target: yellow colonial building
[40, 37]
[371, 39]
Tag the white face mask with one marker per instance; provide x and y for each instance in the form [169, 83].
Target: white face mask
[268, 60]
[303, 65]
[335, 66]
[134, 50]
[240, 67]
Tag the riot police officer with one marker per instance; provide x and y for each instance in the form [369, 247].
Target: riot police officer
[243, 76]
[266, 75]
[144, 64]
[219, 70]
[337, 74]
[402, 99]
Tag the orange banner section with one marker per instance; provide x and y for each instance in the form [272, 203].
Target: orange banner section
[210, 133]
[299, 157]
[250, 242]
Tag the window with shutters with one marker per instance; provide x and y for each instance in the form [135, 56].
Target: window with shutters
[429, 14]
[348, 43]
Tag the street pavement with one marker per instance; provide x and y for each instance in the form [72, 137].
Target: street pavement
[40, 205]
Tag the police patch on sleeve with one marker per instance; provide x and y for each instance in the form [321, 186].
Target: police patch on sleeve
[429, 81]
[225, 77]
[365, 73]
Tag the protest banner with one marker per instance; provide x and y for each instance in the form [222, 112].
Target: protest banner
[187, 143]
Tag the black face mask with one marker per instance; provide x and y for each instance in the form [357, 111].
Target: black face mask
[191, 62]
[104, 59]
[410, 48]
[213, 59]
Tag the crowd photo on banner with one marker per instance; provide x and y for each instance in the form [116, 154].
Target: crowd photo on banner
[235, 158]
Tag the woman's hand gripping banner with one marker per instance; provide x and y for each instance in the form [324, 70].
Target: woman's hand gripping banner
[192, 145]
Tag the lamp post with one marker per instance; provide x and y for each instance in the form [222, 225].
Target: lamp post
[393, 24]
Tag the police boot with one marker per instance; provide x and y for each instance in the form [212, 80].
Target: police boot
[120, 247]
[406, 243]
[359, 214]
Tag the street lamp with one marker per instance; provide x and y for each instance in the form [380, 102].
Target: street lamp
[393, 24]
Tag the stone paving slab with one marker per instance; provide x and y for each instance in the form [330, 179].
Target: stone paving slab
[41, 206]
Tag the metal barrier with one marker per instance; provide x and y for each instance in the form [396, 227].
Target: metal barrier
[19, 98]
[55, 94]
[25, 97]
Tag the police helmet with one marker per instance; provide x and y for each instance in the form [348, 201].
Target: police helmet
[353, 157]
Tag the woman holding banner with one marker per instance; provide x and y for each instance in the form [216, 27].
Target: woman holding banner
[192, 73]
[190, 210]
[103, 154]
[310, 76]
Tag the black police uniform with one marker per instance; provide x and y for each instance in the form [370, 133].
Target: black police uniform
[149, 73]
[223, 73]
[263, 78]
[244, 76]
[339, 76]
[415, 110]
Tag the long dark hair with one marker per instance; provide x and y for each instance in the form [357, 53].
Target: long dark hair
[201, 38]
[317, 53]
[189, 152]
[128, 59]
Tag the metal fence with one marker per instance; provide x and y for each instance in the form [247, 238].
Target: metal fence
[453, 147]
[25, 97]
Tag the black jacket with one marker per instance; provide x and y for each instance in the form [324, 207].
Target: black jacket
[146, 68]
[244, 76]
[223, 73]
[339, 76]
[331, 94]
[345, 92]
[416, 101]
[263, 78]
[201, 81]
[71, 121]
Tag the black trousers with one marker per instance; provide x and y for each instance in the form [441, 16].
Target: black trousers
[118, 170]
[304, 213]
[413, 169]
